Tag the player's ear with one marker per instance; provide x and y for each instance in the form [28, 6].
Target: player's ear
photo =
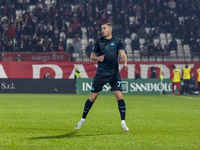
[110, 28]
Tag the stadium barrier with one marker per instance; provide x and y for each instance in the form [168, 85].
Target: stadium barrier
[61, 86]
[130, 86]
[28, 56]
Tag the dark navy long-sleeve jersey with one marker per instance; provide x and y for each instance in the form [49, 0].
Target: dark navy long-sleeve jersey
[110, 49]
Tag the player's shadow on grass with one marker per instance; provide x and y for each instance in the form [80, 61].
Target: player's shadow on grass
[70, 135]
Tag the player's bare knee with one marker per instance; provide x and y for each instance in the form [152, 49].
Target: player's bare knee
[93, 97]
[119, 96]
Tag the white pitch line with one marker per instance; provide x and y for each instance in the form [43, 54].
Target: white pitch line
[181, 97]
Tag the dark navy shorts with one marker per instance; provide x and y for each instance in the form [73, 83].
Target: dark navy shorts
[99, 81]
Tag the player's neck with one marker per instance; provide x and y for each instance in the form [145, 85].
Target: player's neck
[108, 37]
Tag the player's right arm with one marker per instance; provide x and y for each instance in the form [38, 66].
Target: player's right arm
[94, 53]
[94, 57]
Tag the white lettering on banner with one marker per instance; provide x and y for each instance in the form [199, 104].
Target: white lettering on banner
[6, 86]
[56, 68]
[133, 87]
[2, 72]
[149, 87]
[87, 86]
[81, 69]
[144, 70]
[39, 57]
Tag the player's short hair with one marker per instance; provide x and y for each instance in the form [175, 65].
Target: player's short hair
[173, 67]
[108, 23]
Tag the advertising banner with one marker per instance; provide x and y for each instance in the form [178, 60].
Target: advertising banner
[66, 70]
[61, 86]
[131, 86]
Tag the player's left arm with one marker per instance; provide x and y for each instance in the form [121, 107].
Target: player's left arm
[172, 76]
[124, 58]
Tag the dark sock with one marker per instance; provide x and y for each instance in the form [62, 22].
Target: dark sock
[122, 108]
[88, 105]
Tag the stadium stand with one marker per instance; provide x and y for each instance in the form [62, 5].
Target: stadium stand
[55, 23]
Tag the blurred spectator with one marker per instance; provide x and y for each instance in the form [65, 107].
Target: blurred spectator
[195, 48]
[4, 27]
[156, 32]
[141, 33]
[88, 49]
[39, 47]
[119, 32]
[135, 44]
[11, 33]
[109, 6]
[151, 49]
[77, 44]
[64, 19]
[90, 32]
[51, 47]
[40, 32]
[172, 4]
[29, 46]
[153, 72]
[127, 32]
[143, 51]
[21, 46]
[137, 10]
[71, 50]
[1, 47]
[134, 27]
[165, 51]
[64, 43]
[173, 45]
[149, 37]
[8, 47]
[60, 47]
[158, 49]
[55, 42]
[47, 76]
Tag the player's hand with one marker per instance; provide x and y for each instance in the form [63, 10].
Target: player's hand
[101, 58]
[126, 66]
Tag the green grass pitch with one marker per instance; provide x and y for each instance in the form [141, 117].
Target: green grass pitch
[47, 121]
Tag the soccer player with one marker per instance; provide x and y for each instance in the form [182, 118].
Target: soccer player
[186, 75]
[175, 76]
[105, 51]
[198, 78]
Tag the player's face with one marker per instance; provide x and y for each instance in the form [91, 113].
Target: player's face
[106, 30]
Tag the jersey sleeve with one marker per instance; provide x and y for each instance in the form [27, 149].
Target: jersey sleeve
[95, 48]
[120, 46]
[172, 75]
